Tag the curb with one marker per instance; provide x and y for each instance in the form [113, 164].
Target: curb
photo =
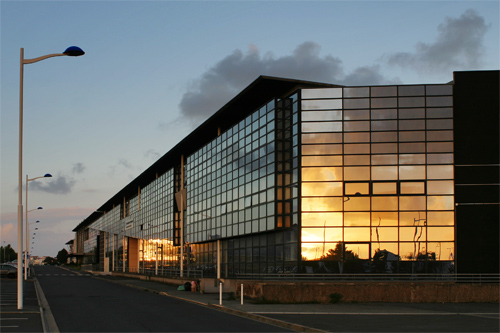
[48, 321]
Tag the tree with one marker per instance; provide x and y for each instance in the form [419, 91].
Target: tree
[50, 261]
[7, 253]
[62, 256]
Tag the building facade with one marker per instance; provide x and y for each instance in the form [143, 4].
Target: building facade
[302, 177]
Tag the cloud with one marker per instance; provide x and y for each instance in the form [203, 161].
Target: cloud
[125, 163]
[78, 168]
[233, 73]
[56, 185]
[459, 45]
[152, 154]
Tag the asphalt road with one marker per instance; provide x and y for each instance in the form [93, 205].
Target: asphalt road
[83, 304]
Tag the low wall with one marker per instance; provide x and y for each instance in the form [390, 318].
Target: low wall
[405, 292]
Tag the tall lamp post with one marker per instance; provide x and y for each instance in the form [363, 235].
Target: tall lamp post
[72, 51]
[47, 175]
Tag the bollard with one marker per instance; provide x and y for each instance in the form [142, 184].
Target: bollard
[241, 294]
[220, 293]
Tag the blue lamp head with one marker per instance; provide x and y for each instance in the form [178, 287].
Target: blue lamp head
[47, 175]
[74, 51]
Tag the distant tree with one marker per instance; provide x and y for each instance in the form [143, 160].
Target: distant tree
[7, 253]
[62, 256]
[50, 261]
[338, 253]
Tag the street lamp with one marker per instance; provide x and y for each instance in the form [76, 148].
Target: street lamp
[47, 175]
[72, 51]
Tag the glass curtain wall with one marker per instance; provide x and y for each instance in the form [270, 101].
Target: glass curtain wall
[377, 176]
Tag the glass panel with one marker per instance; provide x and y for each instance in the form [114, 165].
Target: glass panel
[440, 158]
[384, 159]
[356, 126]
[362, 103]
[440, 147]
[411, 218]
[433, 124]
[412, 125]
[439, 101]
[314, 251]
[384, 137]
[322, 189]
[440, 218]
[440, 187]
[411, 90]
[385, 114]
[384, 148]
[411, 159]
[412, 147]
[384, 218]
[321, 104]
[440, 172]
[439, 135]
[385, 203]
[412, 203]
[356, 203]
[411, 113]
[412, 172]
[356, 114]
[384, 91]
[441, 234]
[384, 234]
[384, 188]
[357, 137]
[357, 219]
[442, 250]
[322, 138]
[321, 204]
[384, 173]
[354, 234]
[321, 149]
[321, 219]
[357, 173]
[356, 148]
[321, 160]
[412, 188]
[412, 136]
[321, 115]
[384, 102]
[322, 174]
[357, 160]
[440, 202]
[387, 250]
[355, 188]
[322, 93]
[357, 251]
[357, 92]
[443, 89]
[387, 125]
[440, 113]
[322, 127]
[413, 234]
[411, 102]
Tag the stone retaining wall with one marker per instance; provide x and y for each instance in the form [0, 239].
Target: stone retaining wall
[306, 292]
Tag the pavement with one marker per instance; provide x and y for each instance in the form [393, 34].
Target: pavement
[38, 309]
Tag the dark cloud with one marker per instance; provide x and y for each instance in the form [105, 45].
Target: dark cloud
[458, 46]
[233, 73]
[78, 168]
[56, 185]
[152, 154]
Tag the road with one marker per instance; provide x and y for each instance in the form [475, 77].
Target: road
[81, 303]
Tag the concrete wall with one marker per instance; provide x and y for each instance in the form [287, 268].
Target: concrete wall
[304, 292]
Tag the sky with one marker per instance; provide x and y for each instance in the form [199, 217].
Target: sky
[154, 70]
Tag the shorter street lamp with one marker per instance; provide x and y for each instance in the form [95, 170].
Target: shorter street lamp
[27, 231]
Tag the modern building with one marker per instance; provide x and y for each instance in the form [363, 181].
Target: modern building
[297, 177]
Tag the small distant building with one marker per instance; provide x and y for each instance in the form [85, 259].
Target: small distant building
[295, 176]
